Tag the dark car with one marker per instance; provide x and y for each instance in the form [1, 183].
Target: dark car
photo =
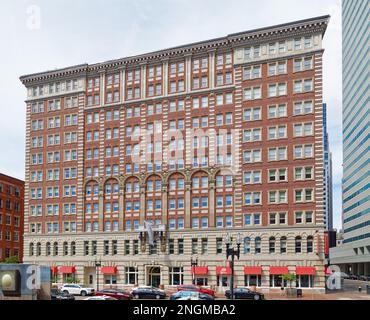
[244, 293]
[192, 287]
[364, 278]
[190, 295]
[115, 293]
[56, 294]
[353, 277]
[148, 293]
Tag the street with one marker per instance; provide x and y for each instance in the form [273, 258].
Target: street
[350, 292]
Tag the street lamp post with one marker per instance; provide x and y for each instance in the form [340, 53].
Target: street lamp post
[97, 266]
[231, 251]
[193, 263]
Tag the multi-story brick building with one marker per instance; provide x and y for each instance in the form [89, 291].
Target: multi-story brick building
[212, 138]
[11, 217]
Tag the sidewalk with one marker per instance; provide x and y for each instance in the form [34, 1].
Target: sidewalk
[321, 296]
[339, 295]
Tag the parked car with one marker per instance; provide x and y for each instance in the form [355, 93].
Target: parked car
[192, 287]
[245, 293]
[364, 278]
[148, 293]
[147, 287]
[100, 298]
[77, 289]
[191, 295]
[353, 277]
[115, 293]
[56, 294]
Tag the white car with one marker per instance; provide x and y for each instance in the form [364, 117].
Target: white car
[77, 289]
[100, 298]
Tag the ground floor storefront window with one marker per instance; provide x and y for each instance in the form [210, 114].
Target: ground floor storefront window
[277, 281]
[54, 277]
[176, 276]
[110, 279]
[251, 280]
[223, 281]
[201, 281]
[305, 281]
[131, 275]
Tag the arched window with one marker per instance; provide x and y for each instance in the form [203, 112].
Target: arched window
[309, 244]
[283, 244]
[65, 248]
[38, 249]
[55, 248]
[154, 183]
[73, 248]
[131, 201]
[272, 245]
[153, 197]
[48, 249]
[247, 245]
[298, 244]
[31, 249]
[257, 245]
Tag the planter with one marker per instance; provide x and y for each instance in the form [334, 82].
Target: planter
[291, 292]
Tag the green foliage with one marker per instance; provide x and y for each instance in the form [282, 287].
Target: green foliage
[290, 277]
[69, 280]
[11, 260]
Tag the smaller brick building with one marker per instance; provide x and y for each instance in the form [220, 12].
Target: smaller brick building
[11, 217]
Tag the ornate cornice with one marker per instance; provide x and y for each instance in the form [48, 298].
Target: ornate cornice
[302, 27]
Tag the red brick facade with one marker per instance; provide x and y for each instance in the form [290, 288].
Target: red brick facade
[215, 137]
[11, 217]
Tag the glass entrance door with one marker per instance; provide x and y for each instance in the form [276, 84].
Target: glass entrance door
[154, 277]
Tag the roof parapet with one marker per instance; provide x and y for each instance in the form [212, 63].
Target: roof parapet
[316, 22]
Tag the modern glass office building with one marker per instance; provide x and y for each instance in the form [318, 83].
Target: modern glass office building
[328, 181]
[355, 253]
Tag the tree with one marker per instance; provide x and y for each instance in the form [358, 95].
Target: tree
[11, 260]
[290, 277]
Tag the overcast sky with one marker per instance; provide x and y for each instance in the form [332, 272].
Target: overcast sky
[43, 35]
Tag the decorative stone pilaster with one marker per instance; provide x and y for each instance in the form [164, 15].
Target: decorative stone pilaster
[142, 203]
[101, 205]
[212, 187]
[187, 204]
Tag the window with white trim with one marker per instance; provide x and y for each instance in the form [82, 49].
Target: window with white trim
[277, 111]
[252, 114]
[252, 156]
[252, 93]
[252, 72]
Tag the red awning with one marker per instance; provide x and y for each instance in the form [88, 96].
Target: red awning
[278, 270]
[305, 271]
[224, 271]
[54, 269]
[200, 270]
[253, 270]
[108, 270]
[67, 269]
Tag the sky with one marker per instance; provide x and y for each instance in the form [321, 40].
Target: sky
[42, 35]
